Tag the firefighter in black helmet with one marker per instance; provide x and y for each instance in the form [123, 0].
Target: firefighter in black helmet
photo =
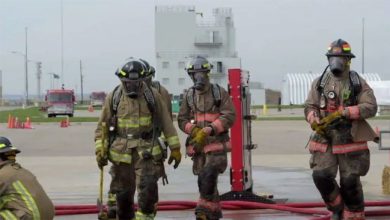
[150, 74]
[135, 111]
[131, 76]
[21, 195]
[147, 78]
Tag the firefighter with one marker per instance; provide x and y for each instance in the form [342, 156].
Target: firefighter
[149, 74]
[336, 108]
[206, 114]
[134, 113]
[21, 195]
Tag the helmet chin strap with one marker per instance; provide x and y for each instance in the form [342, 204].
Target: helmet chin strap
[148, 80]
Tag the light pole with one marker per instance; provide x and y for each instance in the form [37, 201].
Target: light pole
[26, 75]
[81, 82]
[39, 76]
[25, 69]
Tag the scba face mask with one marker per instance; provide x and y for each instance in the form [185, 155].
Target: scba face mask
[200, 80]
[132, 85]
[338, 65]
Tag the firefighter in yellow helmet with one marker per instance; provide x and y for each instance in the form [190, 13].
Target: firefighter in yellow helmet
[206, 114]
[21, 195]
[135, 113]
[336, 108]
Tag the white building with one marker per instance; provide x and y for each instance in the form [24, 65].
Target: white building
[296, 86]
[1, 87]
[181, 33]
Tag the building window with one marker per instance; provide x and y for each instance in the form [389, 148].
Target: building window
[165, 81]
[219, 67]
[182, 81]
[182, 65]
[165, 64]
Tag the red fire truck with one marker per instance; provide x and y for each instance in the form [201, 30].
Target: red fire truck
[60, 102]
[97, 98]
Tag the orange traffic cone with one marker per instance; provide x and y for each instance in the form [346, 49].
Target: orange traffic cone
[12, 123]
[27, 124]
[90, 108]
[16, 123]
[64, 123]
[9, 121]
[67, 121]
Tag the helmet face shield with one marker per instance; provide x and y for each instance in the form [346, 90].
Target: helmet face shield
[198, 64]
[7, 151]
[132, 85]
[338, 65]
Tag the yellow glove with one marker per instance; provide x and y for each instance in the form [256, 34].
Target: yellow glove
[101, 157]
[199, 140]
[327, 122]
[194, 131]
[175, 156]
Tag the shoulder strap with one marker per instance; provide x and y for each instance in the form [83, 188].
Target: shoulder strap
[149, 97]
[323, 80]
[190, 97]
[216, 90]
[116, 98]
[156, 85]
[355, 81]
[356, 86]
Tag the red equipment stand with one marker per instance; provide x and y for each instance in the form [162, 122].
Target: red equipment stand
[241, 138]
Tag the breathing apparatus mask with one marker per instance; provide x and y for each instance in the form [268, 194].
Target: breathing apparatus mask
[132, 85]
[200, 80]
[338, 65]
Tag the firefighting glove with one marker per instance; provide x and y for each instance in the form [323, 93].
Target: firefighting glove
[101, 157]
[208, 130]
[175, 156]
[199, 140]
[194, 131]
[327, 122]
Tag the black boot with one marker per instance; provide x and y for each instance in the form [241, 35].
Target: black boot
[111, 206]
[337, 215]
[111, 212]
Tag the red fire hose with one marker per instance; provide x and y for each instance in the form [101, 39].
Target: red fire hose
[301, 208]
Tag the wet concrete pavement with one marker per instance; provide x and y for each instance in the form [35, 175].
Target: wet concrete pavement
[63, 161]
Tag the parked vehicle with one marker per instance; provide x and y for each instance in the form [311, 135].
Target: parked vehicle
[60, 102]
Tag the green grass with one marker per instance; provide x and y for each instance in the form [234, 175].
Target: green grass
[39, 116]
[85, 107]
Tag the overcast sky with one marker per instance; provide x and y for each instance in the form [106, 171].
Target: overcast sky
[274, 37]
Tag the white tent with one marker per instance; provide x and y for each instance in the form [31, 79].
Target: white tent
[381, 91]
[296, 86]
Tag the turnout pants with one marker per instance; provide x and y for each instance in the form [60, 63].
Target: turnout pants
[207, 167]
[348, 196]
[141, 174]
